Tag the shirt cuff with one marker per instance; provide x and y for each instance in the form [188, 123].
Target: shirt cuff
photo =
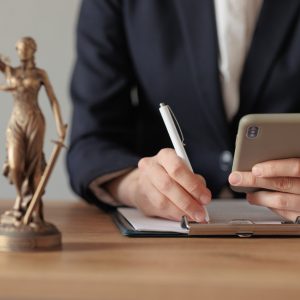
[96, 186]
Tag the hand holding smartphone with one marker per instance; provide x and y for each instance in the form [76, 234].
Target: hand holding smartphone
[265, 137]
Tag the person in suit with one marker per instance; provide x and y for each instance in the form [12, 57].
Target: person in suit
[212, 62]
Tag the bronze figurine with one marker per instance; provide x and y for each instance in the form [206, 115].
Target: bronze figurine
[25, 165]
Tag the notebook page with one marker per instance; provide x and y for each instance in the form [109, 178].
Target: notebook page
[142, 223]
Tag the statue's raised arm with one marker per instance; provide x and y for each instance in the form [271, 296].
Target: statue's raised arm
[2, 65]
[7, 69]
[5, 66]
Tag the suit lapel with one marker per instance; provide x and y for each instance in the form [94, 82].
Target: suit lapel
[273, 24]
[197, 23]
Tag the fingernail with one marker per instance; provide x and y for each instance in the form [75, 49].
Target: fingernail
[207, 219]
[235, 178]
[198, 216]
[256, 171]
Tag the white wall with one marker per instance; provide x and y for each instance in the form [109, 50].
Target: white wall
[52, 24]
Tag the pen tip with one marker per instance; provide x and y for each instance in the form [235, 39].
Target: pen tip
[162, 104]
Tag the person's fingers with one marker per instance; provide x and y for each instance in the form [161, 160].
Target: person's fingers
[278, 168]
[201, 178]
[155, 204]
[283, 204]
[179, 172]
[276, 200]
[281, 178]
[287, 214]
[281, 184]
[172, 190]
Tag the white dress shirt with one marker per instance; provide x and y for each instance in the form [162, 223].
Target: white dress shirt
[235, 21]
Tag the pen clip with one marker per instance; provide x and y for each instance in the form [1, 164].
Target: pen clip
[177, 125]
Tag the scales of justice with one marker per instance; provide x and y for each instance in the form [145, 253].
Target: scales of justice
[23, 226]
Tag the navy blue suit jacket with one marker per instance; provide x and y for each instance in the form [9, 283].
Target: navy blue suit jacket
[168, 50]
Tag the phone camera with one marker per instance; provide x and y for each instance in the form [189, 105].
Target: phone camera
[252, 132]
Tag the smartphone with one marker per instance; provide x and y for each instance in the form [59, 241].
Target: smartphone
[263, 137]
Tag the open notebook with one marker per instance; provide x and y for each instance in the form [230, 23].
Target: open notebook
[227, 217]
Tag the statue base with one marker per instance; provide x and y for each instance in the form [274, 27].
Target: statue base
[32, 237]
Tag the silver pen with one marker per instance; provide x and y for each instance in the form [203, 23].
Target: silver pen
[177, 142]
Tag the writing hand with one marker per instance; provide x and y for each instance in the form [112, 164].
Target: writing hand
[167, 188]
[281, 177]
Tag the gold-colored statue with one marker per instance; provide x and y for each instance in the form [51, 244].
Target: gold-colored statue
[23, 227]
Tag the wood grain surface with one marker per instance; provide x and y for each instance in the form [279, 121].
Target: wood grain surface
[96, 262]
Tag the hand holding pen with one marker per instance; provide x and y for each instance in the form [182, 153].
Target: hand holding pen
[177, 142]
[164, 186]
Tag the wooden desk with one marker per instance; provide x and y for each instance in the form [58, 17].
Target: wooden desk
[98, 263]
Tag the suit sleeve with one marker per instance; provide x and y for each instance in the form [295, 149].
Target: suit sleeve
[103, 122]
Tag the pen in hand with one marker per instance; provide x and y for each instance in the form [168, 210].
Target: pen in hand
[176, 140]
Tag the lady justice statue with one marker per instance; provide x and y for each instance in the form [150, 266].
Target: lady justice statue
[23, 227]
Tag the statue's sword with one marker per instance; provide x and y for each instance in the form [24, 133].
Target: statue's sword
[44, 179]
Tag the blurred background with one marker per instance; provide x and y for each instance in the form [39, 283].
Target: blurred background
[52, 24]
